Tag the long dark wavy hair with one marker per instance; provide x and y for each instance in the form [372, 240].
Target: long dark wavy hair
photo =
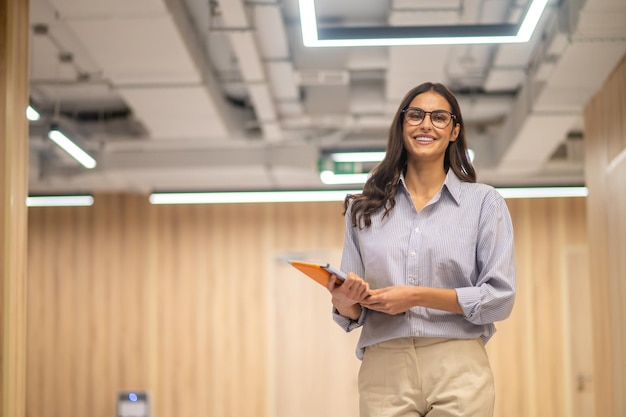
[381, 187]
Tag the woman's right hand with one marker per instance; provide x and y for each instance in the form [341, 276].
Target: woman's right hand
[347, 295]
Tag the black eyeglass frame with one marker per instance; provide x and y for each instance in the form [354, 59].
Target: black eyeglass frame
[429, 113]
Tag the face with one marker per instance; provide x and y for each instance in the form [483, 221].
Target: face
[428, 142]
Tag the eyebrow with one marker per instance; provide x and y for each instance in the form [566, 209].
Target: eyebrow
[429, 111]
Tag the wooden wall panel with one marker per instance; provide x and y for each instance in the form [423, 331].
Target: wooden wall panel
[89, 307]
[616, 213]
[315, 369]
[605, 158]
[14, 32]
[527, 352]
[196, 305]
[578, 381]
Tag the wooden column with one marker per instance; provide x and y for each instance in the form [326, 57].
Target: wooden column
[13, 211]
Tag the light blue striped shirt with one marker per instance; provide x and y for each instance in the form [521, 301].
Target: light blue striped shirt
[461, 239]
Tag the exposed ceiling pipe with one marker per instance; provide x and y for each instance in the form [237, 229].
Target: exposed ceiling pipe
[241, 34]
[183, 22]
[568, 70]
[274, 50]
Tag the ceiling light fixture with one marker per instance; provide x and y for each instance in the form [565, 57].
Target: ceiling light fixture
[333, 195]
[59, 201]
[357, 156]
[71, 148]
[250, 197]
[543, 192]
[32, 114]
[314, 36]
[330, 178]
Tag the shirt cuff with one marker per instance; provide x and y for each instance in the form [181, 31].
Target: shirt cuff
[469, 300]
[347, 323]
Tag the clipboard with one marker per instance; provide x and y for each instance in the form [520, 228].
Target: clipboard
[319, 271]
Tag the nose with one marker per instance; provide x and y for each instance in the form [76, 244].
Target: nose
[430, 121]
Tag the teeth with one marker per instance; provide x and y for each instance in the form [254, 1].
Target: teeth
[423, 139]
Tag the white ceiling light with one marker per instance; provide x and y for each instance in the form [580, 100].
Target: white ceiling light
[471, 154]
[543, 192]
[357, 156]
[250, 197]
[32, 114]
[432, 35]
[59, 201]
[333, 195]
[71, 148]
[330, 178]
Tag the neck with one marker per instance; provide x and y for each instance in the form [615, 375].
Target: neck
[424, 180]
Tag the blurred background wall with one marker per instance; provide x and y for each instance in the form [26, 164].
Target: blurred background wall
[196, 305]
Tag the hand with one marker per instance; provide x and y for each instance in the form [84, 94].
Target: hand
[350, 292]
[390, 300]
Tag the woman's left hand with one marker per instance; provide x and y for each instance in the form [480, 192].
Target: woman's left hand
[390, 300]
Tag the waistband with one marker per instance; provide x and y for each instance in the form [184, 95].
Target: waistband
[405, 342]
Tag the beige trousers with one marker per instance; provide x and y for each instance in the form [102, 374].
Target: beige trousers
[431, 377]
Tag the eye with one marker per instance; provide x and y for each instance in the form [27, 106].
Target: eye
[440, 116]
[415, 114]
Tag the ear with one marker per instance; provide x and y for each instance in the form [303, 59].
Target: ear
[455, 132]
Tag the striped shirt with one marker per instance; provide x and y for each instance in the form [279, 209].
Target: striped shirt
[461, 239]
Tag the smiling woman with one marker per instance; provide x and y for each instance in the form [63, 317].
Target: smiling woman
[431, 266]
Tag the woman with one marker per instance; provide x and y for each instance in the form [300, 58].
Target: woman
[431, 267]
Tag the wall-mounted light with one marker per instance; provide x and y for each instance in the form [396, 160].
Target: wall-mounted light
[314, 36]
[71, 148]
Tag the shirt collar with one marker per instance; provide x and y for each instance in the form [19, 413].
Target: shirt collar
[452, 183]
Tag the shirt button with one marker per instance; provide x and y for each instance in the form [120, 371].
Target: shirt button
[417, 229]
[413, 253]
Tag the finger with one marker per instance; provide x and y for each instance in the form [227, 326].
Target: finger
[364, 293]
[330, 284]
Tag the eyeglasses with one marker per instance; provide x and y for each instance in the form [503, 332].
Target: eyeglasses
[439, 118]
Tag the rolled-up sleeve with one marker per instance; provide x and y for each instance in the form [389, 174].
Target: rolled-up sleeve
[347, 323]
[493, 296]
[350, 262]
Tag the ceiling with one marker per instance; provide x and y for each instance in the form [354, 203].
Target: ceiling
[206, 95]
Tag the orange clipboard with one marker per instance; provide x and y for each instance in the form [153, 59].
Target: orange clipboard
[319, 271]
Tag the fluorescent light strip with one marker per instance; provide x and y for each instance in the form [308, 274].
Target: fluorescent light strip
[543, 192]
[357, 156]
[333, 195]
[308, 22]
[32, 114]
[250, 197]
[330, 178]
[374, 156]
[59, 201]
[71, 148]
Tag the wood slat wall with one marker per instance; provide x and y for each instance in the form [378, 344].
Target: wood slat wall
[605, 174]
[13, 211]
[529, 351]
[195, 305]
